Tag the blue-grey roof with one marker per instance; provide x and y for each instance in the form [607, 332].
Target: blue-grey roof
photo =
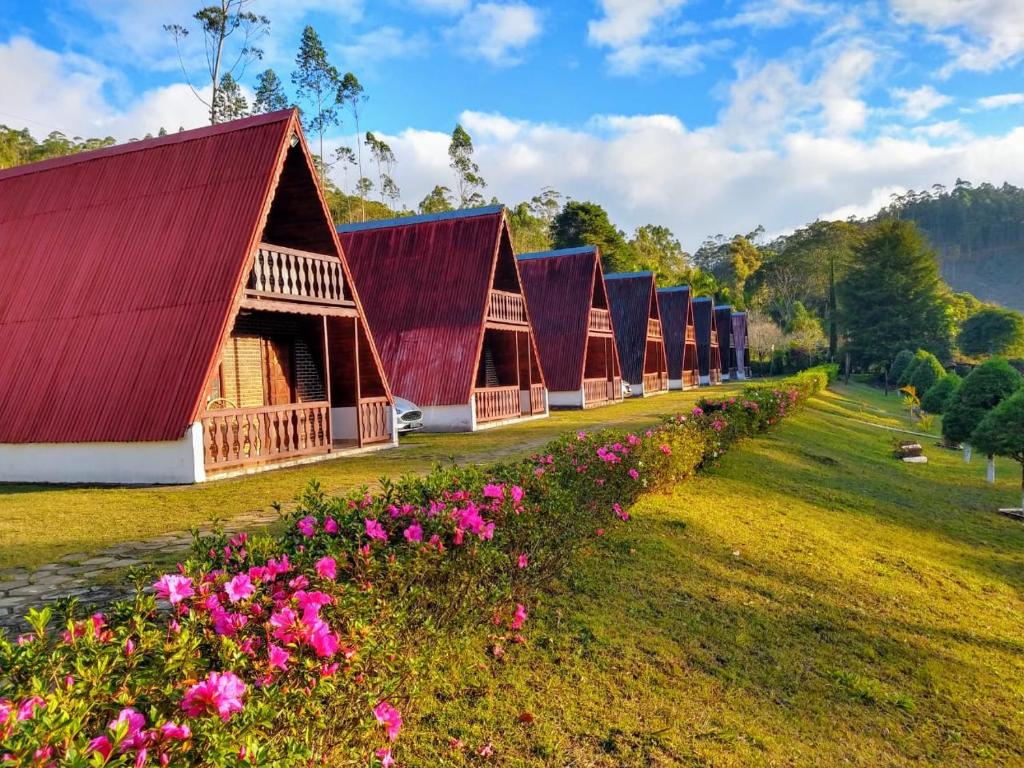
[702, 298]
[401, 221]
[620, 275]
[674, 288]
[724, 306]
[581, 249]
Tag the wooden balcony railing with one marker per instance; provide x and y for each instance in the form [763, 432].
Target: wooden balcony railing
[601, 391]
[291, 275]
[507, 307]
[716, 375]
[691, 334]
[600, 320]
[653, 328]
[493, 403]
[689, 378]
[536, 399]
[654, 382]
[714, 338]
[241, 436]
[374, 426]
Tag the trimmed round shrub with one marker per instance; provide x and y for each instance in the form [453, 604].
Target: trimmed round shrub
[935, 399]
[908, 372]
[1001, 432]
[983, 389]
[927, 371]
[899, 364]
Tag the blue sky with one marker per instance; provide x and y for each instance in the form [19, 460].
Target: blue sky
[705, 116]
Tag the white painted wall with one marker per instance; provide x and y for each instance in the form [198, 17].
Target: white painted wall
[343, 423]
[675, 383]
[449, 418]
[566, 399]
[172, 461]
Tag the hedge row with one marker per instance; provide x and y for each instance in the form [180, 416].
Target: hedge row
[307, 647]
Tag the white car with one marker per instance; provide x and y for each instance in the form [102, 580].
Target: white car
[409, 415]
[627, 389]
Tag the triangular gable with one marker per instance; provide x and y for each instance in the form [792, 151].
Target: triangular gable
[676, 312]
[431, 275]
[150, 241]
[632, 301]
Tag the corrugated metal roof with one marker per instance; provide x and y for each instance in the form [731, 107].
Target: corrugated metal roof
[723, 320]
[632, 301]
[425, 285]
[120, 268]
[426, 218]
[559, 287]
[676, 314]
[704, 322]
[739, 336]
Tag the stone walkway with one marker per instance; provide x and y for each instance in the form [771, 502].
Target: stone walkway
[97, 579]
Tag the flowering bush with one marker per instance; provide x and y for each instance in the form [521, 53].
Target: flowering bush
[309, 646]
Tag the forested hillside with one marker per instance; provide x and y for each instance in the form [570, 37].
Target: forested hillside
[979, 234]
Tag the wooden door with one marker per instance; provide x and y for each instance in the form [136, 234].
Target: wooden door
[278, 368]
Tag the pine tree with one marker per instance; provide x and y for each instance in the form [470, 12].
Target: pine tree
[316, 81]
[585, 223]
[1001, 432]
[891, 296]
[229, 103]
[270, 96]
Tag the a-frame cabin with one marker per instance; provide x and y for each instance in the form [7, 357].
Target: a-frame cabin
[568, 304]
[445, 305]
[739, 345]
[637, 325]
[723, 321]
[708, 354]
[178, 309]
[680, 336]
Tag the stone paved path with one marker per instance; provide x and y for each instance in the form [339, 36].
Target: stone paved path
[99, 578]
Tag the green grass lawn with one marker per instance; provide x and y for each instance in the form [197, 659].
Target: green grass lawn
[810, 602]
[39, 523]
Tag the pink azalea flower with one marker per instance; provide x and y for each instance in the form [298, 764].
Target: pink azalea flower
[327, 568]
[486, 750]
[239, 588]
[174, 588]
[517, 494]
[375, 530]
[28, 708]
[634, 474]
[599, 531]
[519, 617]
[330, 525]
[494, 491]
[697, 411]
[414, 533]
[219, 693]
[174, 732]
[665, 449]
[620, 512]
[307, 526]
[389, 717]
[524, 560]
[102, 745]
[386, 760]
[323, 641]
[140, 757]
[279, 657]
[129, 647]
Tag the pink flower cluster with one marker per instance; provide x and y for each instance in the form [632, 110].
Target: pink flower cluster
[129, 733]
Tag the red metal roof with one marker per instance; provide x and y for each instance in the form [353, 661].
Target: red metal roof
[704, 322]
[121, 267]
[723, 321]
[632, 302]
[676, 313]
[739, 339]
[426, 282]
[559, 288]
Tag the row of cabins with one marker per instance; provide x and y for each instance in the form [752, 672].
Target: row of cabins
[183, 308]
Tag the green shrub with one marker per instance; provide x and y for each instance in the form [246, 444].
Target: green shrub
[899, 364]
[1001, 432]
[938, 394]
[304, 648]
[981, 391]
[927, 371]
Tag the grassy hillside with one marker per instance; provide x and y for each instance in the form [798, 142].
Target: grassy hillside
[809, 602]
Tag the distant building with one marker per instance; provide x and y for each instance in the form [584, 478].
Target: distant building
[680, 336]
[637, 325]
[723, 321]
[740, 362]
[708, 354]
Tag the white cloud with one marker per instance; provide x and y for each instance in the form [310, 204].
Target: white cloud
[980, 35]
[773, 14]
[496, 32]
[66, 92]
[919, 103]
[645, 34]
[1001, 100]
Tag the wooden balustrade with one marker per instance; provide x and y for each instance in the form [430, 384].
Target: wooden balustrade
[493, 403]
[507, 307]
[690, 378]
[654, 382]
[240, 436]
[600, 320]
[536, 399]
[691, 334]
[601, 391]
[653, 328]
[374, 424]
[291, 275]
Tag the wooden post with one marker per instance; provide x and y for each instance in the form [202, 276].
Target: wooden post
[359, 410]
[327, 383]
[885, 377]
